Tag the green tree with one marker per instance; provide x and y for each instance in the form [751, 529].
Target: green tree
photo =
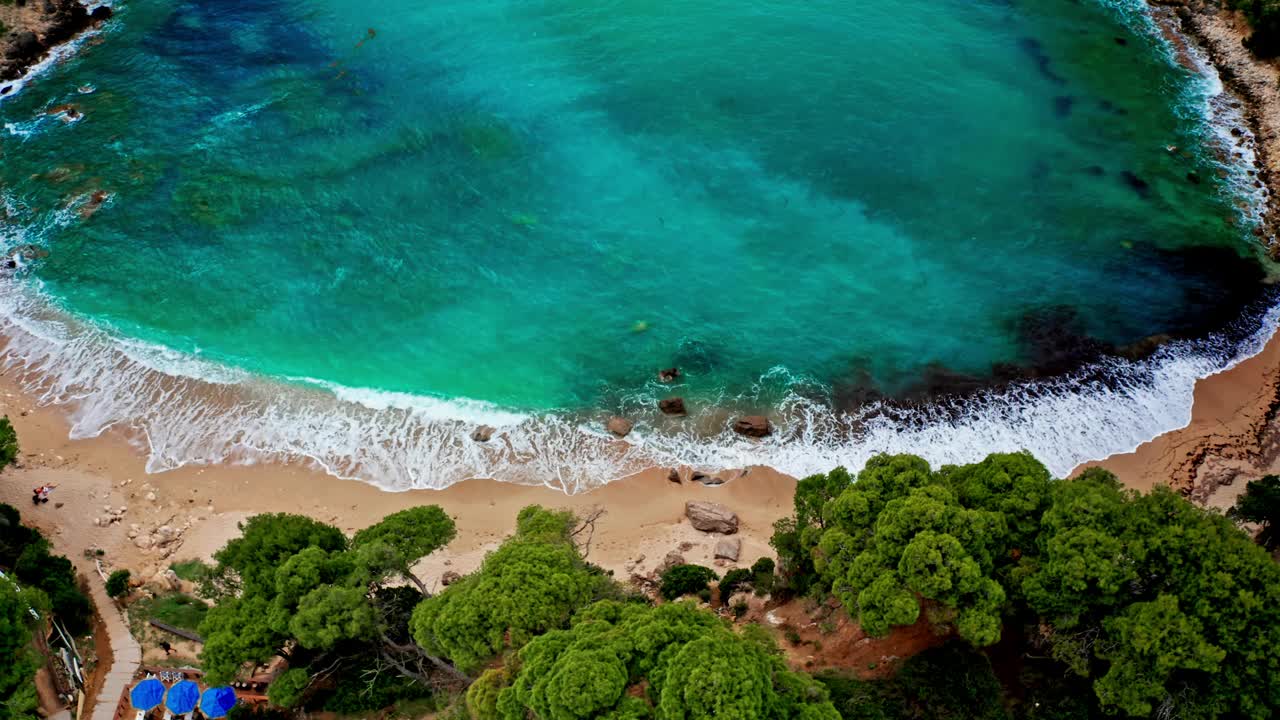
[292, 586]
[118, 583]
[680, 580]
[529, 585]
[266, 541]
[399, 539]
[1155, 640]
[1260, 504]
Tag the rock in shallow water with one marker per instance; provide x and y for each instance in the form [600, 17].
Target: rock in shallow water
[672, 406]
[619, 426]
[756, 426]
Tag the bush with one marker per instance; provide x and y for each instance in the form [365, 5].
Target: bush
[684, 580]
[179, 610]
[763, 566]
[8, 443]
[191, 570]
[732, 582]
[118, 583]
[287, 689]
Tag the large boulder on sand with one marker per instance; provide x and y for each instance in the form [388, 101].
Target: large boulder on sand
[711, 517]
[729, 549]
[756, 426]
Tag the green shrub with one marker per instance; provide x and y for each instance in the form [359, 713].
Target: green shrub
[733, 581]
[682, 580]
[193, 570]
[118, 583]
[8, 439]
[763, 566]
[178, 609]
[287, 690]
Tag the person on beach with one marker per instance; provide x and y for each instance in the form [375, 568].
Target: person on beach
[41, 494]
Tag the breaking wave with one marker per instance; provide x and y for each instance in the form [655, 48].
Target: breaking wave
[182, 410]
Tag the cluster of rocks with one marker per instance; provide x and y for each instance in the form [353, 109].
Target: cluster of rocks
[110, 515]
[40, 25]
[163, 540]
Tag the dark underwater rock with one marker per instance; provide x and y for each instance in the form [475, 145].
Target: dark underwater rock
[1137, 184]
[672, 406]
[756, 426]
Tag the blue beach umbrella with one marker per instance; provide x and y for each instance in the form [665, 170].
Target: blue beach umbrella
[146, 694]
[182, 698]
[216, 702]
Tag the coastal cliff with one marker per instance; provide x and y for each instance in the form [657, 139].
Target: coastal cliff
[31, 28]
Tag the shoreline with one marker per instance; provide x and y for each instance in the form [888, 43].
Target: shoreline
[1234, 432]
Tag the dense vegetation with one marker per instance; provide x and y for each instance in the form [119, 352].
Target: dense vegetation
[1264, 19]
[39, 582]
[1061, 598]
[633, 660]
[296, 587]
[25, 551]
[18, 669]
[1161, 606]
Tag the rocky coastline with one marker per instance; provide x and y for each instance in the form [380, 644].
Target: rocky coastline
[1220, 33]
[33, 28]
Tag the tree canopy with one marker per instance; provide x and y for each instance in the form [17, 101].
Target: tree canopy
[293, 586]
[1164, 606]
[532, 583]
[1260, 504]
[633, 660]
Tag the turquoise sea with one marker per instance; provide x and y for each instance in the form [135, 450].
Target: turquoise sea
[350, 232]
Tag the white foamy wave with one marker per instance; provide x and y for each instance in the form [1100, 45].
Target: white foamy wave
[182, 410]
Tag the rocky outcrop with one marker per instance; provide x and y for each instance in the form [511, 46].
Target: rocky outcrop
[668, 375]
[483, 433]
[756, 426]
[672, 406]
[619, 426]
[450, 577]
[39, 27]
[711, 517]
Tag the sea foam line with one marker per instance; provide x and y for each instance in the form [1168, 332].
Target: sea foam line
[184, 410]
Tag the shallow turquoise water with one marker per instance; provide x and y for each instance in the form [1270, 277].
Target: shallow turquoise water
[490, 198]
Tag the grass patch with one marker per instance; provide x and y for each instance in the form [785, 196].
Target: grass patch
[178, 609]
[191, 570]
